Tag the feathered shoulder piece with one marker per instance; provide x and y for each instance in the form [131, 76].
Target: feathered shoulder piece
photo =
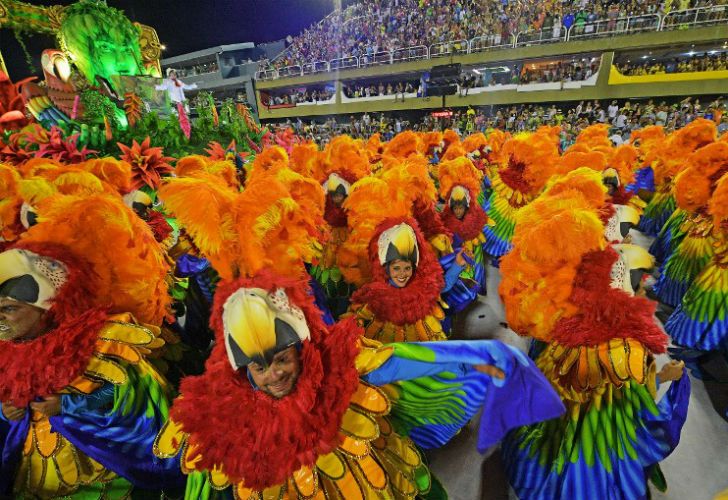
[347, 158]
[718, 206]
[10, 203]
[695, 184]
[242, 233]
[200, 166]
[459, 172]
[594, 136]
[129, 268]
[306, 160]
[574, 159]
[527, 162]
[403, 145]
[475, 142]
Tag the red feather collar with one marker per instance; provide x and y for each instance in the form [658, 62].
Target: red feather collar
[335, 216]
[47, 364]
[256, 438]
[470, 227]
[402, 306]
[159, 225]
[605, 312]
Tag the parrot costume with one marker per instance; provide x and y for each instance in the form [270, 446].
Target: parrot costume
[351, 425]
[81, 263]
[567, 287]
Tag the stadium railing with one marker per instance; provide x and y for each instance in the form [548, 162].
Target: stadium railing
[547, 35]
[609, 27]
[682, 19]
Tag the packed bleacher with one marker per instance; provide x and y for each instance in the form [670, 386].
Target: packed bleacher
[368, 28]
[623, 116]
[697, 62]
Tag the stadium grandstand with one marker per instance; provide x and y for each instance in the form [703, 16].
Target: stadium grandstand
[374, 57]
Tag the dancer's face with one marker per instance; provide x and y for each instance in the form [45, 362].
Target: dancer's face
[401, 272]
[459, 211]
[337, 198]
[20, 321]
[280, 377]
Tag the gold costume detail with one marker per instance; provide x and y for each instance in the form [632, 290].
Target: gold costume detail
[372, 461]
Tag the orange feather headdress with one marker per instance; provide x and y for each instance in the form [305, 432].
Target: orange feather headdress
[270, 224]
[695, 184]
[129, 267]
[681, 143]
[393, 193]
[403, 145]
[528, 161]
[459, 172]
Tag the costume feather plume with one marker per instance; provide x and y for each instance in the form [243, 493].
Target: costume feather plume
[10, 203]
[113, 172]
[242, 233]
[203, 206]
[403, 145]
[695, 184]
[459, 172]
[347, 158]
[129, 267]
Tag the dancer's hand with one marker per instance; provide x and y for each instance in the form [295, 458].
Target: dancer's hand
[13, 413]
[50, 406]
[491, 370]
[671, 371]
[459, 259]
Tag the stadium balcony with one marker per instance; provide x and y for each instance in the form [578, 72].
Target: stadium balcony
[604, 41]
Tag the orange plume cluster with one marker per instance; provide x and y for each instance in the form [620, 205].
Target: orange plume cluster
[130, 270]
[694, 185]
[552, 235]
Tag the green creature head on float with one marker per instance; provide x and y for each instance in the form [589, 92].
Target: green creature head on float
[101, 41]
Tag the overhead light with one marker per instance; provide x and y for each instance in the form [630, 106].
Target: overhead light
[691, 53]
[163, 47]
[644, 57]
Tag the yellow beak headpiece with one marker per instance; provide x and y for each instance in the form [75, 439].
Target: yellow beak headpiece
[31, 278]
[259, 324]
[627, 271]
[398, 243]
[459, 196]
[610, 178]
[139, 201]
[335, 184]
[624, 218]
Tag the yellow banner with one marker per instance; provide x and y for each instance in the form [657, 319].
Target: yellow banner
[617, 78]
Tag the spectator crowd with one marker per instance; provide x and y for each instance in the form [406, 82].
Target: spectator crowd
[623, 118]
[705, 62]
[367, 28]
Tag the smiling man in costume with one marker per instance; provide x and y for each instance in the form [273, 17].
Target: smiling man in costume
[326, 411]
[80, 405]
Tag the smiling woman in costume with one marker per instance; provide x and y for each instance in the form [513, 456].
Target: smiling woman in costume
[291, 408]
